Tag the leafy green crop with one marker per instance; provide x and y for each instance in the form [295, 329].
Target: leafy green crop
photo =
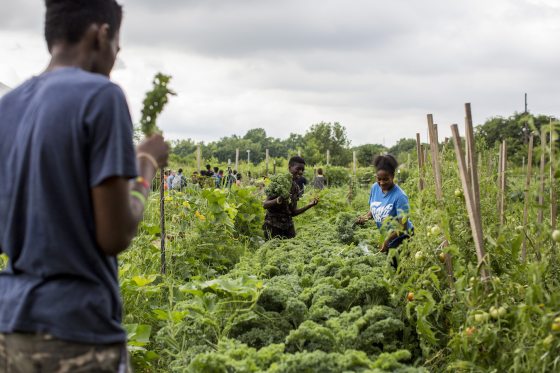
[279, 186]
[154, 102]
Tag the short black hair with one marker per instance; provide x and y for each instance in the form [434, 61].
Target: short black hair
[386, 163]
[295, 159]
[68, 20]
[216, 169]
[208, 167]
[320, 171]
[180, 170]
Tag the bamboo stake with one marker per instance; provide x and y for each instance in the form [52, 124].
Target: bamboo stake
[475, 222]
[503, 183]
[540, 215]
[553, 195]
[527, 196]
[420, 163]
[432, 130]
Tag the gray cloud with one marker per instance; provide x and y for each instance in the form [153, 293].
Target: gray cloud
[378, 67]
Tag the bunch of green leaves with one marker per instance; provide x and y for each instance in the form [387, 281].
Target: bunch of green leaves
[154, 102]
[279, 186]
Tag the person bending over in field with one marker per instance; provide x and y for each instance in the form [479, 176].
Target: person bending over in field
[388, 204]
[278, 222]
[60, 306]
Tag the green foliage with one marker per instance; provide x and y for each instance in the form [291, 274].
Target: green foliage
[367, 153]
[402, 148]
[154, 103]
[232, 302]
[514, 129]
[279, 186]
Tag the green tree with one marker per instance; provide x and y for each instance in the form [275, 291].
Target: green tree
[327, 136]
[514, 129]
[367, 152]
[403, 146]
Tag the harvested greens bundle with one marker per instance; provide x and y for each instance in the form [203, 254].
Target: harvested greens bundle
[280, 186]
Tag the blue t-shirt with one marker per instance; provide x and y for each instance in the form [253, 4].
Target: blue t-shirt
[61, 134]
[392, 204]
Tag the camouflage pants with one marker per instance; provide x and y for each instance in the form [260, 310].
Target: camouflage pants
[30, 353]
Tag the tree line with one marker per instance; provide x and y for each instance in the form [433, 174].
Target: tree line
[323, 136]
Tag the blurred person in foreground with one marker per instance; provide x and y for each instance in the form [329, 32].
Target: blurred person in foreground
[60, 306]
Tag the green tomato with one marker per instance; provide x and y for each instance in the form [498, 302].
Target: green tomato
[419, 255]
[435, 230]
[556, 235]
[502, 311]
[481, 317]
[458, 193]
[494, 312]
[548, 340]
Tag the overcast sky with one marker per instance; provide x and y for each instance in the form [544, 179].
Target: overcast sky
[377, 67]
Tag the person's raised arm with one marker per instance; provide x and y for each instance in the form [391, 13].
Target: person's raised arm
[311, 204]
[118, 203]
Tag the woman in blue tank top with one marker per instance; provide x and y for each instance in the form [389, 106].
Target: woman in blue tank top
[388, 204]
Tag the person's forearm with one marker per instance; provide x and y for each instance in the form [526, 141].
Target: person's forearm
[301, 210]
[391, 237]
[271, 202]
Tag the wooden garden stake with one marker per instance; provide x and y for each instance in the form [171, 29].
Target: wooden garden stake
[420, 163]
[499, 179]
[475, 221]
[237, 159]
[541, 170]
[527, 196]
[503, 183]
[162, 219]
[198, 158]
[553, 196]
[434, 147]
[328, 157]
[354, 163]
[266, 161]
[472, 159]
[432, 130]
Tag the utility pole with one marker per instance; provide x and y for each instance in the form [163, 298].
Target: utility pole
[525, 112]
